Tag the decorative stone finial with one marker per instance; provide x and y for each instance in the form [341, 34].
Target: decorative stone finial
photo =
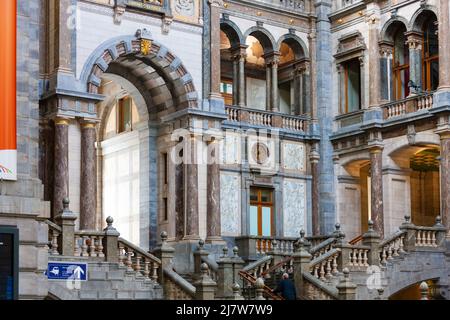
[274, 244]
[109, 221]
[438, 221]
[302, 233]
[225, 251]
[164, 236]
[66, 203]
[201, 244]
[337, 226]
[424, 291]
[204, 268]
[235, 251]
[407, 219]
[346, 272]
[370, 223]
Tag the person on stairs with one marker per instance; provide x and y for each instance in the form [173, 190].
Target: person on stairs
[286, 288]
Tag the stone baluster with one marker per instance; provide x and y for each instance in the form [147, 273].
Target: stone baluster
[113, 250]
[66, 220]
[205, 286]
[146, 268]
[54, 243]
[129, 262]
[92, 246]
[77, 249]
[346, 288]
[100, 248]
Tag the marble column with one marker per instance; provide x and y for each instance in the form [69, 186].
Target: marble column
[268, 87]
[374, 61]
[215, 47]
[235, 80]
[444, 45]
[298, 88]
[88, 181]
[179, 202]
[314, 159]
[275, 91]
[191, 180]
[213, 228]
[61, 163]
[311, 94]
[376, 178]
[306, 89]
[242, 88]
[445, 178]
[386, 85]
[414, 42]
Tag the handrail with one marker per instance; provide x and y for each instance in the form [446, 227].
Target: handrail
[333, 292]
[322, 245]
[178, 280]
[53, 225]
[392, 237]
[89, 233]
[257, 263]
[324, 257]
[139, 250]
[252, 280]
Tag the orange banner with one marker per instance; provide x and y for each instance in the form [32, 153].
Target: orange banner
[8, 137]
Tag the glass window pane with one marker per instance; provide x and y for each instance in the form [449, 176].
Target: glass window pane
[253, 220]
[266, 221]
[434, 77]
[353, 86]
[253, 194]
[266, 196]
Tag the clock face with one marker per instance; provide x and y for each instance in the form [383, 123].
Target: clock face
[260, 153]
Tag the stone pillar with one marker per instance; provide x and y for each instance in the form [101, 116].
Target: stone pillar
[372, 239]
[199, 255]
[444, 45]
[374, 58]
[445, 178]
[275, 101]
[213, 192]
[268, 86]
[386, 84]
[165, 253]
[88, 177]
[414, 42]
[239, 55]
[191, 185]
[297, 82]
[302, 259]
[376, 179]
[306, 89]
[215, 47]
[235, 80]
[179, 202]
[225, 276]
[110, 241]
[346, 288]
[61, 163]
[314, 159]
[311, 94]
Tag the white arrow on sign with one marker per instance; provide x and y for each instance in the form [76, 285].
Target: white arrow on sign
[78, 272]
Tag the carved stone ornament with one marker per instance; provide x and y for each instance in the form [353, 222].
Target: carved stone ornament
[185, 7]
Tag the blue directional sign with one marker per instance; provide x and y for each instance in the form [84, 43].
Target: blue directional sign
[67, 271]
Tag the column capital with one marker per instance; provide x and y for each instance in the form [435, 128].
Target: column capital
[88, 124]
[444, 134]
[386, 48]
[375, 149]
[215, 3]
[272, 58]
[414, 40]
[61, 121]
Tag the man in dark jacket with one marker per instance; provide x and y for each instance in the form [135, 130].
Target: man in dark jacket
[287, 288]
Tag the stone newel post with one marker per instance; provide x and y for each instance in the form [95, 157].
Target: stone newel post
[302, 259]
[66, 219]
[165, 253]
[346, 288]
[110, 241]
[205, 286]
[372, 239]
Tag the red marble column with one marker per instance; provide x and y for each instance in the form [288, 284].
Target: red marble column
[213, 193]
[191, 179]
[444, 44]
[88, 196]
[376, 179]
[61, 163]
[445, 178]
[215, 47]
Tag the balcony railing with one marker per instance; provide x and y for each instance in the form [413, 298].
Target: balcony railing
[409, 105]
[267, 119]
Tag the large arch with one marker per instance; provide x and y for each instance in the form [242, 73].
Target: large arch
[266, 39]
[233, 32]
[296, 43]
[387, 33]
[160, 71]
[420, 16]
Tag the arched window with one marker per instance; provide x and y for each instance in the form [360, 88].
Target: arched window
[400, 65]
[430, 55]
